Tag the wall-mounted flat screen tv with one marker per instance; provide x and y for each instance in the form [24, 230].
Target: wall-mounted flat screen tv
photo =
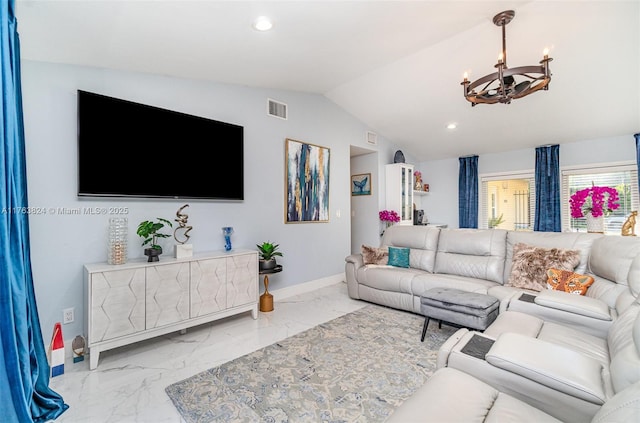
[128, 149]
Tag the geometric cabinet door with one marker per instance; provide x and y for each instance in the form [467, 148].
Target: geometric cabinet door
[242, 280]
[208, 286]
[167, 294]
[117, 304]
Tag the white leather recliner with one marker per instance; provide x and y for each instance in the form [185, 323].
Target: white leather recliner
[564, 372]
[452, 396]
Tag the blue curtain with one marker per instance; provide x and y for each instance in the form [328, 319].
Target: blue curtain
[24, 370]
[548, 189]
[468, 192]
[637, 136]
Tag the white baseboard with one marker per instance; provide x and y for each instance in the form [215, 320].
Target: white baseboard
[303, 288]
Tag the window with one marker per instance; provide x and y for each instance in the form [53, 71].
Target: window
[507, 201]
[622, 176]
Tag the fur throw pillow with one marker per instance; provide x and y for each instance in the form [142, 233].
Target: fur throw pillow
[373, 255]
[530, 264]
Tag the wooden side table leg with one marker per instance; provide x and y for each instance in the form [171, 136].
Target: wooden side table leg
[266, 299]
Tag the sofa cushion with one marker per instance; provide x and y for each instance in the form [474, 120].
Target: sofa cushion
[567, 281]
[611, 257]
[622, 407]
[398, 257]
[374, 255]
[474, 253]
[530, 264]
[623, 341]
[474, 401]
[387, 278]
[422, 240]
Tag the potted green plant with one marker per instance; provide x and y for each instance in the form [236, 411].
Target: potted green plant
[268, 252]
[149, 231]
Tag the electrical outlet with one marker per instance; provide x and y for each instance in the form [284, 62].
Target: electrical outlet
[68, 315]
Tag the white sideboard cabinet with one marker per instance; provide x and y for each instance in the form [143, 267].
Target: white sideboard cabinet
[140, 300]
[399, 191]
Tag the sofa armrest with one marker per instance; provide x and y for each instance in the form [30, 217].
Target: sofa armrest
[577, 304]
[353, 262]
[356, 259]
[551, 365]
[458, 339]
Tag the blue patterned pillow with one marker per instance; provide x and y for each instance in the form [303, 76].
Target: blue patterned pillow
[398, 257]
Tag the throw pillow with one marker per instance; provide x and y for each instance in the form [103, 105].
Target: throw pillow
[567, 281]
[399, 257]
[373, 255]
[530, 264]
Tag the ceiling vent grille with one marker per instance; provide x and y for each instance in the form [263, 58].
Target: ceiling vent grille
[372, 138]
[276, 109]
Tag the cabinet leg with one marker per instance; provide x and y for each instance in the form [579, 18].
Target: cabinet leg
[183, 331]
[254, 312]
[94, 355]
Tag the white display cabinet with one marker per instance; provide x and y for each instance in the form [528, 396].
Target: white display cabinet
[399, 191]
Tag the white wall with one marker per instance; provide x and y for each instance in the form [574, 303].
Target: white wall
[62, 244]
[364, 208]
[441, 205]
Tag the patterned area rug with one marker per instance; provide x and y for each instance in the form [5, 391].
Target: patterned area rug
[356, 368]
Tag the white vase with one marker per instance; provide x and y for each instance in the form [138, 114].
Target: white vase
[595, 224]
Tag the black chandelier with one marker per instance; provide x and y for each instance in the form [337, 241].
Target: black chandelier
[508, 83]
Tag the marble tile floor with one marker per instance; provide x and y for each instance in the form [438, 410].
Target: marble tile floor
[128, 384]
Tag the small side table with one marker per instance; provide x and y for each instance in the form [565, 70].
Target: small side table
[266, 299]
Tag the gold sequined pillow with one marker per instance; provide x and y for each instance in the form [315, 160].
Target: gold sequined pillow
[530, 264]
[567, 281]
[373, 255]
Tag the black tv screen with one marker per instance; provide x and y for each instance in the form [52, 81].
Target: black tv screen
[128, 149]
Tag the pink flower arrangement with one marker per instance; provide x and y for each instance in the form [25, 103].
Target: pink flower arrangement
[418, 174]
[595, 200]
[389, 216]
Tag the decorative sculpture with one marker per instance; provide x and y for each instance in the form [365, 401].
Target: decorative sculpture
[182, 225]
[629, 226]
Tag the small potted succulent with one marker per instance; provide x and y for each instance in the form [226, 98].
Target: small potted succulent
[149, 231]
[268, 252]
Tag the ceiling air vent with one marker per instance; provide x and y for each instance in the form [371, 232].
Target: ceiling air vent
[372, 138]
[276, 109]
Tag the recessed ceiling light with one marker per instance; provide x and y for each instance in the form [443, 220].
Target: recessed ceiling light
[452, 125]
[262, 23]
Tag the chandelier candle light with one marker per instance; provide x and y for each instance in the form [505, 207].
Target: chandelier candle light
[503, 86]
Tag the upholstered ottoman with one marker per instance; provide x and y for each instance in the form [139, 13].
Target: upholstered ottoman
[462, 308]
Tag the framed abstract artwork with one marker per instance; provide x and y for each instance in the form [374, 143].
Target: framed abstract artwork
[307, 182]
[361, 184]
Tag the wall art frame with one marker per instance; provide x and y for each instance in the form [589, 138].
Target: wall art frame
[361, 184]
[306, 182]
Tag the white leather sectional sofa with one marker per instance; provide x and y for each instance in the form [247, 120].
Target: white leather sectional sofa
[553, 357]
[480, 261]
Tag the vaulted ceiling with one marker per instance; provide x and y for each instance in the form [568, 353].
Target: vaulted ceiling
[395, 65]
